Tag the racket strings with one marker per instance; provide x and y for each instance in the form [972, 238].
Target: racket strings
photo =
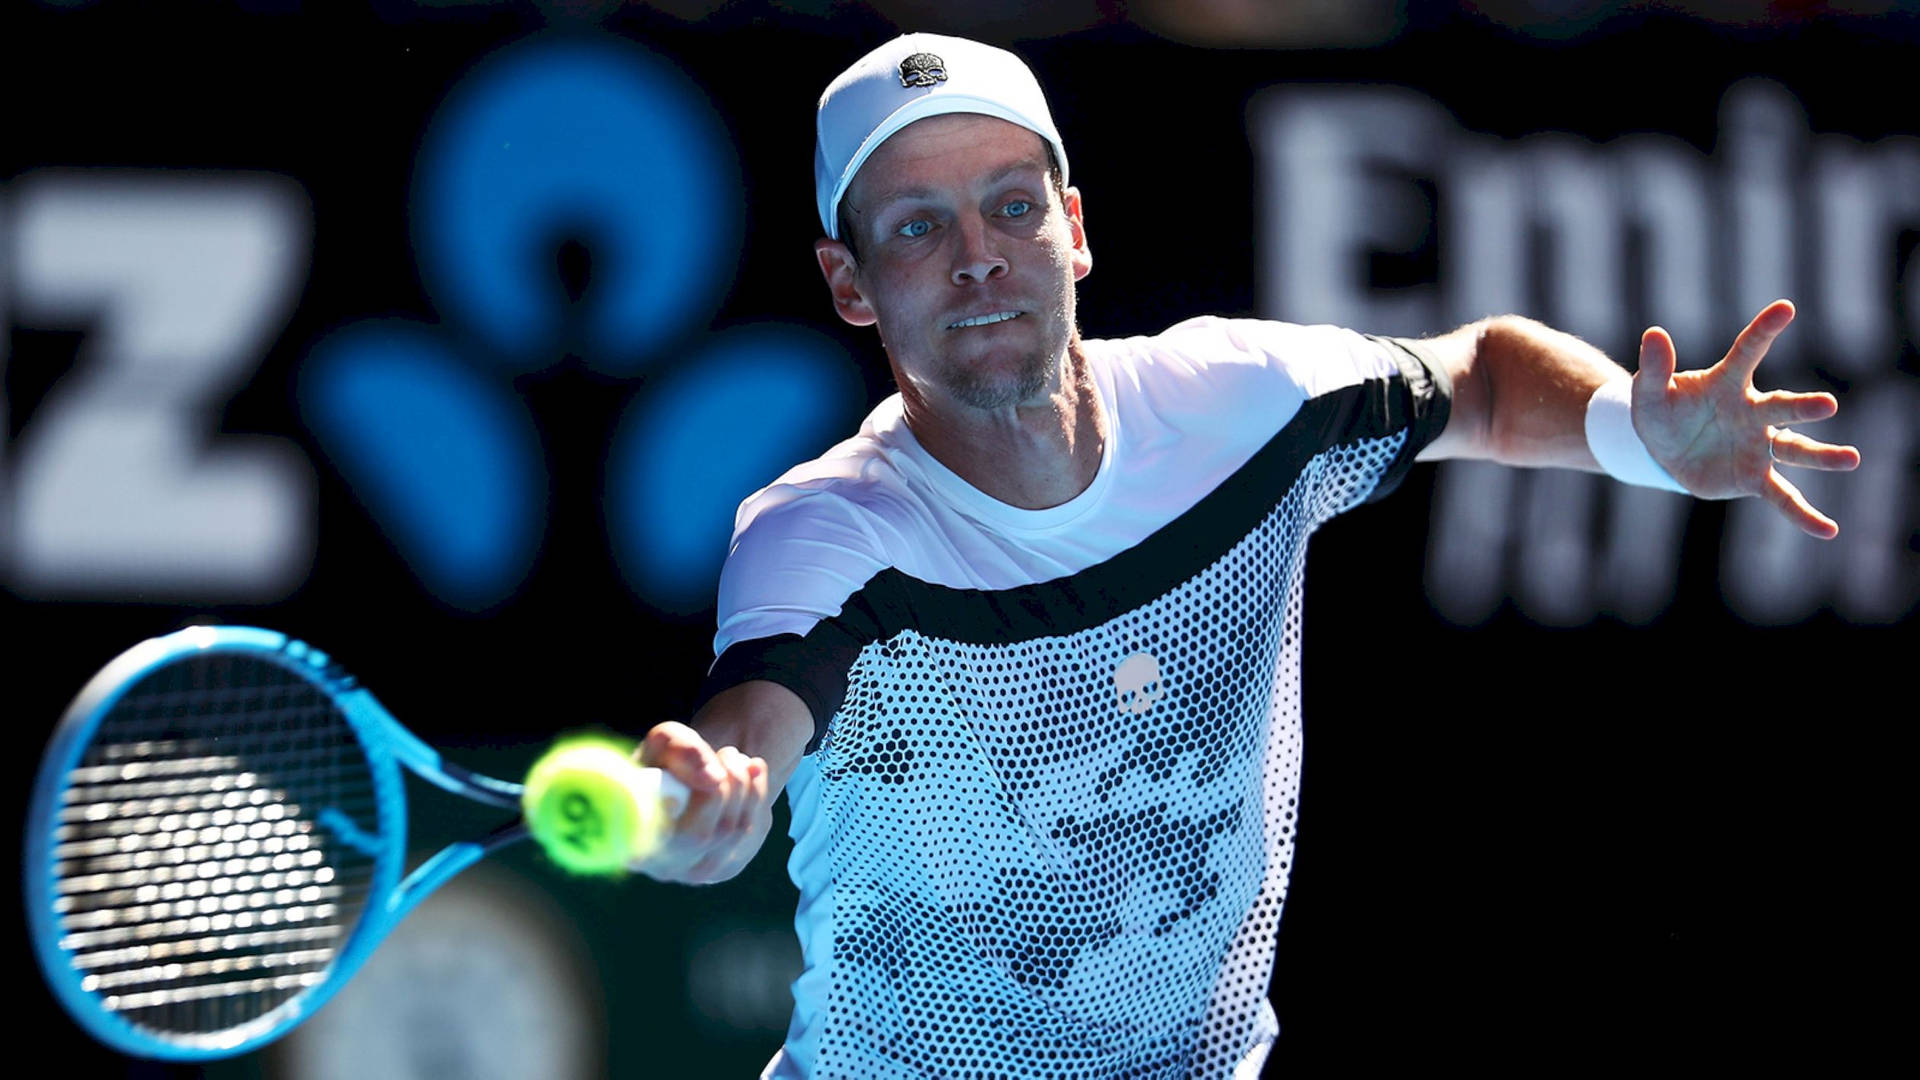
[215, 846]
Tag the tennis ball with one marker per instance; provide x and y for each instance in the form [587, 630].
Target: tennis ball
[583, 801]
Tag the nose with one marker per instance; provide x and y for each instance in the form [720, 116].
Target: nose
[976, 255]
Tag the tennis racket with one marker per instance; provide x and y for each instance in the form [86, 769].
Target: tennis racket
[217, 837]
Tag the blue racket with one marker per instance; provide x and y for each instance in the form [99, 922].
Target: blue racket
[217, 838]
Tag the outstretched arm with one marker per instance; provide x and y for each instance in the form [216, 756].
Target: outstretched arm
[1522, 392]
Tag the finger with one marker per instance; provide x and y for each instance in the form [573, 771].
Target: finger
[754, 798]
[1787, 407]
[1657, 361]
[1794, 506]
[697, 826]
[734, 815]
[1793, 448]
[684, 754]
[758, 767]
[726, 855]
[1752, 344]
[732, 842]
[681, 751]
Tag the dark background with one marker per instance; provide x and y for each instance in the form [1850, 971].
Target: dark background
[1521, 847]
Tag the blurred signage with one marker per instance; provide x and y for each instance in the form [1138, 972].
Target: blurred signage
[1382, 211]
[122, 486]
[179, 283]
[602, 146]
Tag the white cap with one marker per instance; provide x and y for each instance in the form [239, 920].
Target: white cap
[910, 78]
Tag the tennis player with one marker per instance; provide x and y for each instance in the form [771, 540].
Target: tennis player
[1024, 653]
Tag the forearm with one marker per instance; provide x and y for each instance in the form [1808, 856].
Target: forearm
[761, 719]
[1520, 393]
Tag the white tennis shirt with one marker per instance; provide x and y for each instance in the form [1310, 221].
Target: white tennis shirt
[1044, 827]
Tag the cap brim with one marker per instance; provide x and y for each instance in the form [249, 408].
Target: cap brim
[919, 109]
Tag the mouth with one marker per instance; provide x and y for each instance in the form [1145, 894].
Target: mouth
[985, 320]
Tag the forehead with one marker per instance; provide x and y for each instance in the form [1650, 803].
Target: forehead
[953, 149]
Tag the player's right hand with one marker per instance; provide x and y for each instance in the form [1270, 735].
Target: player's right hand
[728, 813]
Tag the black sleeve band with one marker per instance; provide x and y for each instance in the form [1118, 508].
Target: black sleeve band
[814, 667]
[1420, 401]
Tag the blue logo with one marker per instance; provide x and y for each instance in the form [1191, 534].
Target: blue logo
[601, 141]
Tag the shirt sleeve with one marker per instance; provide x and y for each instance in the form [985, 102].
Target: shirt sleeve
[1316, 388]
[1417, 398]
[797, 557]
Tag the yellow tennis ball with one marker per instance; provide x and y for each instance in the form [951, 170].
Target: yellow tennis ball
[584, 802]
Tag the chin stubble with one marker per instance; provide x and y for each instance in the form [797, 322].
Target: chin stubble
[981, 391]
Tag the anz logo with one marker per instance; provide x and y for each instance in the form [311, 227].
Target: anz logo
[120, 485]
[117, 483]
[603, 139]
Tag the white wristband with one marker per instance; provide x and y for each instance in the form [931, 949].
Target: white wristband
[1616, 445]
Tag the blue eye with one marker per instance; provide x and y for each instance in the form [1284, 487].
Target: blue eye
[1017, 208]
[916, 227]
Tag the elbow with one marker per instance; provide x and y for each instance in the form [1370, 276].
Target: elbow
[1487, 362]
[1509, 352]
[1491, 342]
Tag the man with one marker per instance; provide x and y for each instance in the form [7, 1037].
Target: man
[1024, 652]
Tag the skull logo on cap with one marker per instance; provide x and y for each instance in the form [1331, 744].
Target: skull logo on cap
[922, 69]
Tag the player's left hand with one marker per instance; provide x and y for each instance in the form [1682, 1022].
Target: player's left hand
[1713, 432]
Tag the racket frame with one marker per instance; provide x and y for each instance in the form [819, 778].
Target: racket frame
[389, 897]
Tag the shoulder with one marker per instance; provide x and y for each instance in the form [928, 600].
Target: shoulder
[1209, 366]
[845, 492]
[1310, 356]
[804, 543]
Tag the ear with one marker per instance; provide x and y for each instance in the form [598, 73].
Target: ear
[842, 273]
[1076, 222]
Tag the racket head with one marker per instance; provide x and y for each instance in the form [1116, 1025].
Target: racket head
[216, 829]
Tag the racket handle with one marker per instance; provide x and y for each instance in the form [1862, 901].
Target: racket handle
[673, 794]
[594, 809]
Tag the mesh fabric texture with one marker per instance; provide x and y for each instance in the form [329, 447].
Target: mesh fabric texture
[1045, 827]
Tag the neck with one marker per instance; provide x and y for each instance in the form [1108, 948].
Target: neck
[1034, 455]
